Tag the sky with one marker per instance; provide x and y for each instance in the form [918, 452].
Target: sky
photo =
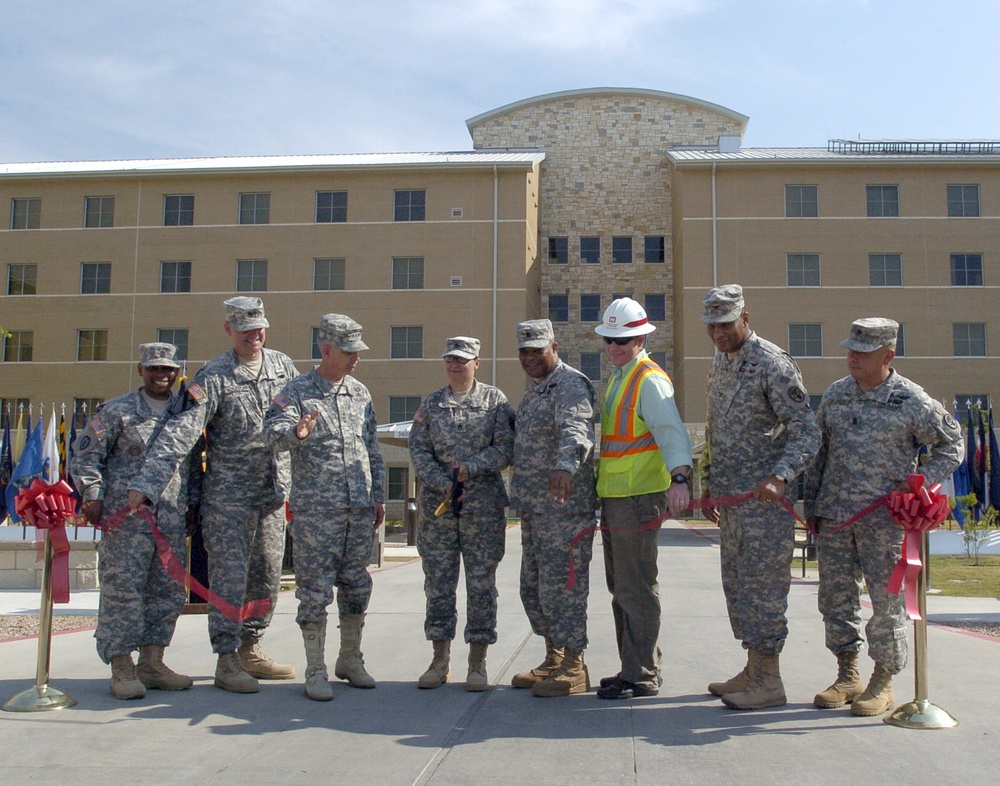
[121, 79]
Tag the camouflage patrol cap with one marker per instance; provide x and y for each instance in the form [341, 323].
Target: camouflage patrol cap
[871, 333]
[341, 331]
[723, 304]
[464, 347]
[535, 334]
[158, 353]
[245, 313]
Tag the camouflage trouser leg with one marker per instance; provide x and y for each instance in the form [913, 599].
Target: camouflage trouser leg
[245, 546]
[332, 549]
[139, 603]
[553, 610]
[630, 566]
[866, 549]
[478, 542]
[757, 546]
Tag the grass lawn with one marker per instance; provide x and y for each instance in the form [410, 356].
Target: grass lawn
[956, 576]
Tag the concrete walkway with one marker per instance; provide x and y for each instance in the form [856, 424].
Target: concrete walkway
[398, 734]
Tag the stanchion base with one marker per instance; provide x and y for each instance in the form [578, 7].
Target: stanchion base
[920, 714]
[39, 698]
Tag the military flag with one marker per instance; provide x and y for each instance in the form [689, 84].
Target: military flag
[6, 468]
[28, 467]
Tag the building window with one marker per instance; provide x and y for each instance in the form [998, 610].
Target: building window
[590, 308]
[801, 201]
[407, 272]
[900, 341]
[559, 308]
[18, 346]
[402, 408]
[95, 278]
[21, 279]
[175, 277]
[621, 250]
[656, 307]
[590, 251]
[406, 342]
[251, 275]
[331, 207]
[255, 208]
[410, 205]
[99, 212]
[329, 274]
[25, 213]
[84, 409]
[316, 353]
[395, 484]
[883, 201]
[558, 250]
[590, 365]
[805, 339]
[885, 270]
[963, 201]
[92, 345]
[966, 270]
[659, 358]
[655, 250]
[178, 210]
[803, 270]
[970, 339]
[176, 336]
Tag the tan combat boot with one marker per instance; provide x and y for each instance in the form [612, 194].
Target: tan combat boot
[847, 685]
[571, 677]
[553, 658]
[317, 679]
[764, 689]
[440, 669]
[878, 697]
[154, 673]
[124, 683]
[477, 680]
[733, 684]
[258, 665]
[350, 663]
[231, 676]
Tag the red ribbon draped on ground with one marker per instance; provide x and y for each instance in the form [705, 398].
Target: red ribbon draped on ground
[917, 511]
[695, 504]
[47, 507]
[176, 570]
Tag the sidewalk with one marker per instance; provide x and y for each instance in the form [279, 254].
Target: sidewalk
[398, 734]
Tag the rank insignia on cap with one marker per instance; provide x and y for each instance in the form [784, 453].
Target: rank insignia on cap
[96, 426]
[281, 400]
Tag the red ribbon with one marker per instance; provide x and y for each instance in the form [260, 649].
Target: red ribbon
[176, 570]
[917, 511]
[47, 507]
[695, 504]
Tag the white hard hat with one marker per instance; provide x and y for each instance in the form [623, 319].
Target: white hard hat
[624, 317]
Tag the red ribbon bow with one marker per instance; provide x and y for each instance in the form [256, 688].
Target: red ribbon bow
[917, 511]
[47, 507]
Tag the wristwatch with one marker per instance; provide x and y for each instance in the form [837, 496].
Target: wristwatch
[679, 478]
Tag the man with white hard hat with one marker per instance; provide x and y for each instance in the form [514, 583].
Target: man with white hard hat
[642, 474]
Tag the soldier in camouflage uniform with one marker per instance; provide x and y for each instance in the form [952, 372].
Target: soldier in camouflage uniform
[140, 602]
[243, 490]
[761, 433]
[874, 421]
[465, 428]
[553, 487]
[325, 421]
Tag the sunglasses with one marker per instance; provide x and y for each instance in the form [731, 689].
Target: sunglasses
[621, 342]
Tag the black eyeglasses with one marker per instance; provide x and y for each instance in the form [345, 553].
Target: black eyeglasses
[621, 342]
[455, 359]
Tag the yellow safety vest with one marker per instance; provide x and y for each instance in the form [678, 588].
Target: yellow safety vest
[630, 462]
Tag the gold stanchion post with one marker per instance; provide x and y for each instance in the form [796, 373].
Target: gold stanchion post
[42, 696]
[921, 713]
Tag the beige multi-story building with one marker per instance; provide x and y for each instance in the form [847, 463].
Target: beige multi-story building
[566, 201]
